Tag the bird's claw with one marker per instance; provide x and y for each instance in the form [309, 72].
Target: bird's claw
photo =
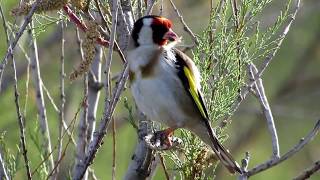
[161, 140]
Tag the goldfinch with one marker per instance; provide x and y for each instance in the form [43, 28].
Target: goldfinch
[165, 84]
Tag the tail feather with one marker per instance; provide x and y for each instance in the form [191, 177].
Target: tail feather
[206, 134]
[225, 157]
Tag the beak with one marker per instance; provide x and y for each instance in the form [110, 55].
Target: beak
[170, 35]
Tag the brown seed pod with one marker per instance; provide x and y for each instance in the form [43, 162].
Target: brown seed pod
[44, 6]
[88, 47]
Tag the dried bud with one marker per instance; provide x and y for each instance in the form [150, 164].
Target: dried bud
[88, 47]
[44, 6]
[80, 4]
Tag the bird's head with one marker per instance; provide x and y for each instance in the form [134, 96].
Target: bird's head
[153, 30]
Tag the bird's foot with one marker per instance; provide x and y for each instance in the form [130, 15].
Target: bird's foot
[162, 140]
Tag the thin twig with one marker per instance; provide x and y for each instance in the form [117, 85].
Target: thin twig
[114, 149]
[150, 4]
[281, 37]
[309, 171]
[140, 166]
[73, 17]
[98, 137]
[35, 67]
[95, 86]
[244, 166]
[62, 98]
[270, 163]
[164, 166]
[68, 127]
[3, 170]
[82, 126]
[5, 28]
[105, 22]
[55, 107]
[185, 26]
[72, 124]
[108, 111]
[266, 110]
[21, 117]
[124, 27]
[20, 121]
[18, 35]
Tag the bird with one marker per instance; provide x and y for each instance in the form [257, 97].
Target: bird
[165, 84]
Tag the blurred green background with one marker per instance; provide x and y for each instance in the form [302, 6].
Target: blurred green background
[292, 83]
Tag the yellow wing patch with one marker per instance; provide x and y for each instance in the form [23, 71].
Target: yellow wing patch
[194, 91]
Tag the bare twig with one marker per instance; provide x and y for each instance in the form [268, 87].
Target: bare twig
[309, 171]
[82, 126]
[104, 21]
[72, 125]
[124, 27]
[140, 166]
[20, 121]
[150, 4]
[270, 163]
[62, 98]
[114, 149]
[98, 137]
[5, 28]
[164, 167]
[244, 166]
[185, 26]
[73, 17]
[40, 100]
[266, 110]
[282, 37]
[108, 111]
[95, 86]
[55, 107]
[18, 35]
[3, 170]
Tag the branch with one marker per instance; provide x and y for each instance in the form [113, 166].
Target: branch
[266, 110]
[82, 126]
[35, 68]
[150, 4]
[270, 163]
[5, 28]
[109, 106]
[21, 121]
[244, 166]
[13, 43]
[3, 171]
[308, 172]
[95, 86]
[99, 135]
[62, 98]
[281, 37]
[74, 18]
[140, 166]
[185, 26]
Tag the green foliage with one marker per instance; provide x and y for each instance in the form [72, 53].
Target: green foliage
[130, 118]
[36, 137]
[11, 160]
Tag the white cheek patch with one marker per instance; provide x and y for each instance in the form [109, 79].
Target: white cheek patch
[147, 21]
[145, 35]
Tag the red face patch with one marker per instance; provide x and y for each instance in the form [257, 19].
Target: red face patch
[161, 21]
[160, 26]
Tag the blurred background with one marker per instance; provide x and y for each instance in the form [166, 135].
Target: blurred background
[292, 83]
